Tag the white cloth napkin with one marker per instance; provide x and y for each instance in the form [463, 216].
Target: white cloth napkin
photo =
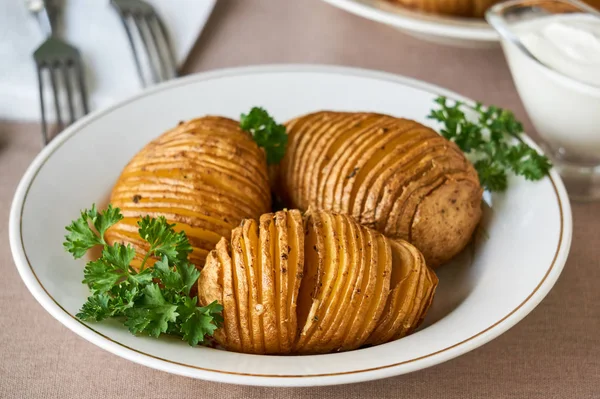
[94, 27]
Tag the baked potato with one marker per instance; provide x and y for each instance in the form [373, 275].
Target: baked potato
[321, 284]
[205, 175]
[458, 8]
[393, 175]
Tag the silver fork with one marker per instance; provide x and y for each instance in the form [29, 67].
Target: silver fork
[141, 20]
[62, 63]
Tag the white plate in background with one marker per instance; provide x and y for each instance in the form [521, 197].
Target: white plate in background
[462, 32]
[484, 292]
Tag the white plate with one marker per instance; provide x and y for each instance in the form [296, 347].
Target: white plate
[463, 32]
[486, 291]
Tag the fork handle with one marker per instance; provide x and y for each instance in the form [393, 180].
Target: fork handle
[47, 13]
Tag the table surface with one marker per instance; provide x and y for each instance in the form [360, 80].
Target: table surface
[553, 353]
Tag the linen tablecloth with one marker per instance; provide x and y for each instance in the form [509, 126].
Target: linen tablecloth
[553, 353]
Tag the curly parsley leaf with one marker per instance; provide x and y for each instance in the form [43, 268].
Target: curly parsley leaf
[494, 141]
[153, 314]
[200, 321]
[82, 237]
[163, 240]
[266, 133]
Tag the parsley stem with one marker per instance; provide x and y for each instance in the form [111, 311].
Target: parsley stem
[146, 258]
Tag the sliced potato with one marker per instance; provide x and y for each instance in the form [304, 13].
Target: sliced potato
[382, 288]
[267, 284]
[366, 290]
[295, 270]
[331, 337]
[250, 246]
[230, 307]
[329, 307]
[416, 306]
[210, 289]
[353, 299]
[431, 285]
[280, 268]
[323, 225]
[362, 163]
[407, 263]
[240, 286]
[205, 175]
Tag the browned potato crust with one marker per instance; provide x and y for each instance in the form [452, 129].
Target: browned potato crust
[390, 174]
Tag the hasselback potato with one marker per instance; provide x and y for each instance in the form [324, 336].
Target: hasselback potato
[394, 175]
[205, 175]
[318, 285]
[461, 8]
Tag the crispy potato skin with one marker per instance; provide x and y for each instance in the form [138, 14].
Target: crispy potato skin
[205, 175]
[393, 175]
[351, 285]
[459, 8]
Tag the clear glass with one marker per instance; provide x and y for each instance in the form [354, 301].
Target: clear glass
[564, 110]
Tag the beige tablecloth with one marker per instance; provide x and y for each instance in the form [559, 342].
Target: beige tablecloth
[553, 353]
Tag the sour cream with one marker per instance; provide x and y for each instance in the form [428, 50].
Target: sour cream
[560, 88]
[569, 44]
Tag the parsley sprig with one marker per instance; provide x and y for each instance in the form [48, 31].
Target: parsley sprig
[153, 300]
[266, 133]
[494, 141]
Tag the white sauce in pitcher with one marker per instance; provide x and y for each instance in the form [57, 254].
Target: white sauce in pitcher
[562, 96]
[569, 44]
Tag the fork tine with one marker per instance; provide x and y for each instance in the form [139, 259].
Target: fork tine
[169, 68]
[42, 106]
[138, 19]
[52, 70]
[67, 83]
[163, 62]
[78, 67]
[136, 57]
[168, 45]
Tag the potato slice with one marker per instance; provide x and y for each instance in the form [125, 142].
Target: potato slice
[280, 268]
[317, 254]
[155, 186]
[295, 270]
[210, 289]
[366, 126]
[330, 305]
[434, 162]
[250, 246]
[407, 262]
[431, 284]
[310, 171]
[267, 283]
[324, 225]
[240, 286]
[351, 163]
[401, 148]
[230, 307]
[349, 309]
[301, 143]
[366, 289]
[382, 288]
[412, 166]
[415, 310]
[332, 335]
